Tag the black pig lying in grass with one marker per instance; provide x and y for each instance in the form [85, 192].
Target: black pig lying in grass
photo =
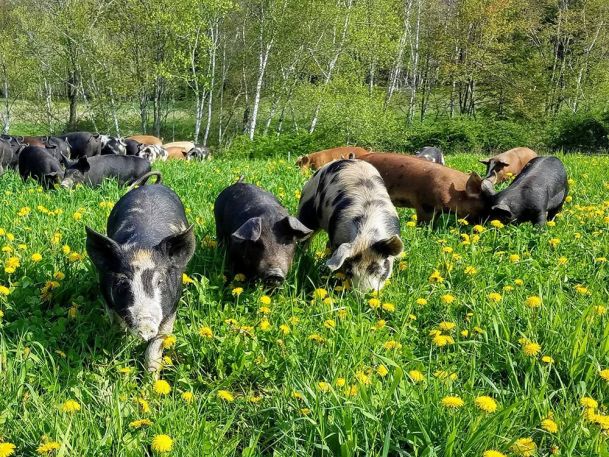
[37, 163]
[141, 261]
[536, 195]
[257, 231]
[93, 170]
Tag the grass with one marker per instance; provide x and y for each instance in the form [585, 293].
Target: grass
[312, 383]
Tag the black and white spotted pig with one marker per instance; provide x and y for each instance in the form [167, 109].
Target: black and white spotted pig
[141, 261]
[348, 199]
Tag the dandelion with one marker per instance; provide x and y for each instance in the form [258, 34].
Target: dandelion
[11, 264]
[341, 382]
[74, 257]
[382, 371]
[374, 303]
[436, 277]
[533, 301]
[470, 271]
[447, 299]
[188, 397]
[66, 249]
[328, 301]
[493, 453]
[380, 324]
[161, 387]
[330, 324]
[494, 297]
[497, 224]
[162, 443]
[323, 386]
[264, 325]
[297, 395]
[4, 291]
[389, 307]
[392, 344]
[317, 338]
[554, 242]
[514, 258]
[486, 404]
[588, 402]
[36, 257]
[320, 294]
[562, 261]
[206, 332]
[479, 229]
[139, 423]
[240, 277]
[531, 349]
[305, 411]
[255, 399]
[582, 290]
[443, 340]
[70, 406]
[604, 374]
[416, 376]
[452, 402]
[186, 279]
[547, 359]
[549, 425]
[265, 300]
[59, 276]
[421, 301]
[7, 449]
[363, 378]
[144, 406]
[285, 329]
[599, 310]
[524, 447]
[447, 326]
[77, 216]
[237, 291]
[226, 396]
[48, 447]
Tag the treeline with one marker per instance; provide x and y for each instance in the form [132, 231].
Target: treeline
[384, 73]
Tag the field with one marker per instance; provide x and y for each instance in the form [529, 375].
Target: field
[515, 314]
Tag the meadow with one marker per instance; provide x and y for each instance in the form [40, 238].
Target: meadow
[487, 341]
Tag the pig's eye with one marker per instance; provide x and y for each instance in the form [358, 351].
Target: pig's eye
[121, 286]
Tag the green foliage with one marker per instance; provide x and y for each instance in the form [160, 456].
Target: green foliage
[580, 131]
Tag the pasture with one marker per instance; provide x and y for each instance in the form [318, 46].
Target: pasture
[516, 314]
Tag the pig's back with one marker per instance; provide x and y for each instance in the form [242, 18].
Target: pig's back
[147, 215]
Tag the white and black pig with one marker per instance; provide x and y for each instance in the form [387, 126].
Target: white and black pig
[92, 171]
[348, 199]
[536, 195]
[141, 261]
[258, 233]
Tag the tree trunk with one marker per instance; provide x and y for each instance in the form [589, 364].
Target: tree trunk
[6, 117]
[114, 114]
[214, 35]
[73, 83]
[397, 67]
[143, 111]
[157, 104]
[415, 65]
[262, 61]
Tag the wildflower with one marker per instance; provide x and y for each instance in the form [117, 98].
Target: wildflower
[486, 404]
[264, 310]
[320, 293]
[494, 297]
[382, 371]
[531, 349]
[187, 279]
[328, 301]
[562, 261]
[600, 310]
[125, 370]
[70, 406]
[7, 449]
[452, 402]
[5, 291]
[447, 250]
[470, 271]
[237, 291]
[206, 332]
[77, 216]
[514, 258]
[442, 374]
[524, 447]
[588, 402]
[416, 376]
[11, 264]
[264, 325]
[323, 386]
[297, 395]
[479, 228]
[436, 277]
[285, 329]
[351, 391]
[48, 447]
[554, 242]
[421, 301]
[518, 282]
[225, 395]
[447, 326]
[464, 333]
[161, 387]
[549, 425]
[447, 299]
[145, 407]
[188, 397]
[330, 323]
[341, 382]
[582, 290]
[363, 378]
[162, 443]
[379, 324]
[75, 257]
[493, 453]
[36, 257]
[389, 307]
[462, 222]
[547, 359]
[265, 300]
[497, 224]
[240, 277]
[533, 301]
[254, 399]
[411, 224]
[59, 276]
[139, 423]
[66, 249]
[442, 340]
[317, 338]
[392, 344]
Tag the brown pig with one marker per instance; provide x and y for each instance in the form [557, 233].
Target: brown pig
[176, 153]
[510, 163]
[429, 187]
[318, 159]
[147, 139]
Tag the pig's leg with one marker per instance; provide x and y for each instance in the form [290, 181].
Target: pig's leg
[540, 219]
[154, 352]
[424, 215]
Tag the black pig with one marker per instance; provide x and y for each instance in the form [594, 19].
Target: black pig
[37, 163]
[93, 170]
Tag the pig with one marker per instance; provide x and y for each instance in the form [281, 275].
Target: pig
[348, 199]
[153, 152]
[133, 147]
[111, 145]
[37, 163]
[198, 153]
[176, 153]
[62, 146]
[92, 171]
[141, 261]
[82, 144]
[258, 233]
[431, 153]
[536, 195]
[499, 167]
[10, 148]
[147, 139]
[428, 187]
[6, 154]
[180, 153]
[186, 145]
[318, 159]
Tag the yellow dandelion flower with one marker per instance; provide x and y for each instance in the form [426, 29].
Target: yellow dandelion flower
[70, 406]
[479, 228]
[328, 301]
[486, 404]
[48, 447]
[161, 387]
[6, 449]
[582, 290]
[330, 323]
[139, 423]
[317, 338]
[562, 261]
[547, 359]
[265, 300]
[188, 397]
[533, 301]
[600, 310]
[452, 402]
[497, 224]
[237, 291]
[255, 399]
[588, 402]
[363, 378]
[341, 382]
[374, 303]
[416, 376]
[5, 291]
[144, 406]
[225, 395]
[443, 340]
[382, 371]
[531, 349]
[494, 297]
[320, 294]
[285, 329]
[464, 333]
[74, 257]
[36, 257]
[297, 395]
[206, 332]
[389, 307]
[436, 277]
[323, 386]
[240, 277]
[524, 447]
[77, 216]
[187, 279]
[392, 344]
[447, 299]
[493, 453]
[470, 271]
[59, 276]
[514, 258]
[351, 391]
[549, 425]
[66, 249]
[162, 443]
[554, 242]
[447, 326]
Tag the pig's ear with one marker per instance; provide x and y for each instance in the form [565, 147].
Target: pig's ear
[342, 253]
[389, 247]
[501, 163]
[104, 252]
[179, 247]
[504, 210]
[83, 165]
[473, 186]
[249, 231]
[485, 161]
[64, 160]
[297, 228]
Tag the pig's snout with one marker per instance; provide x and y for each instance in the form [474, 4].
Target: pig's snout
[67, 183]
[274, 278]
[146, 332]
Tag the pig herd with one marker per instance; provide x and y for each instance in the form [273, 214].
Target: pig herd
[352, 196]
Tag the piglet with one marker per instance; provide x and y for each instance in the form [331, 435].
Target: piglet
[509, 163]
[348, 199]
[141, 261]
[430, 153]
[38, 163]
[536, 195]
[258, 233]
[92, 171]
